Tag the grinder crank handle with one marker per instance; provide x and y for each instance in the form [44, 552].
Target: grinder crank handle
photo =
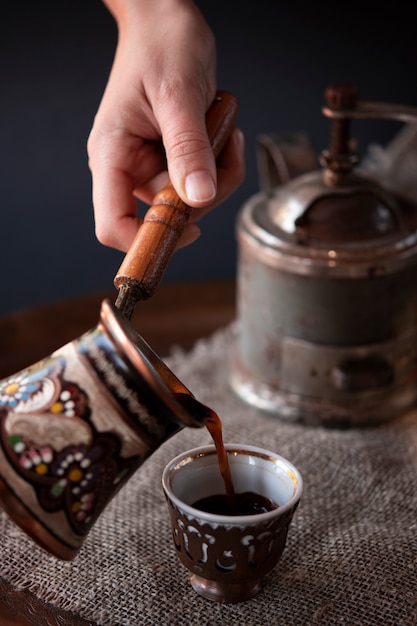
[164, 222]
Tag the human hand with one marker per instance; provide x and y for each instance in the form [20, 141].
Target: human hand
[150, 125]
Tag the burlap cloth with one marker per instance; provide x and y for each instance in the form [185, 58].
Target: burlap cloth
[351, 551]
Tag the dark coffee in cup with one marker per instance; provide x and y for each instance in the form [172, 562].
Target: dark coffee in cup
[246, 503]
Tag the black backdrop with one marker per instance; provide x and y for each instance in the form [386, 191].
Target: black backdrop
[277, 57]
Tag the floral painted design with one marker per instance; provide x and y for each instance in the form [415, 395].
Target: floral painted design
[48, 437]
[16, 389]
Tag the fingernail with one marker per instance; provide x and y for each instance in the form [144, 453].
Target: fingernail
[200, 187]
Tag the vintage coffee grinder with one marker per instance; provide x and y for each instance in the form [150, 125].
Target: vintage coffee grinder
[327, 281]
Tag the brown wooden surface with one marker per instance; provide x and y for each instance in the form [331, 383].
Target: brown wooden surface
[178, 314]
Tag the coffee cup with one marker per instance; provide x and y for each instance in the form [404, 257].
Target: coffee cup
[230, 554]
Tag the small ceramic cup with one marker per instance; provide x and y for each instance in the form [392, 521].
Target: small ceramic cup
[229, 555]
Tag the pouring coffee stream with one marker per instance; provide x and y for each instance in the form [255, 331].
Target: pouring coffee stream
[231, 502]
[215, 427]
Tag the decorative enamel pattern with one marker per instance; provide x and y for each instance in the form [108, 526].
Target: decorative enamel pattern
[51, 442]
[232, 553]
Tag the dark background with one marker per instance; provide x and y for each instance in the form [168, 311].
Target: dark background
[277, 57]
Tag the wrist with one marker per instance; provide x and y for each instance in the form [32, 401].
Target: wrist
[128, 10]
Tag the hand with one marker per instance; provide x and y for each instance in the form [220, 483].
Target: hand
[150, 125]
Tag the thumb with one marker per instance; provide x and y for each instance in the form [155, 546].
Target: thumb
[191, 164]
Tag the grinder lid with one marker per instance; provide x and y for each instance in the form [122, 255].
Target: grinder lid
[334, 219]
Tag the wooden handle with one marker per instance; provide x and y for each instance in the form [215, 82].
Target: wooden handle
[164, 222]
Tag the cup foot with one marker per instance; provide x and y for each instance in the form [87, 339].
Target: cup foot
[225, 592]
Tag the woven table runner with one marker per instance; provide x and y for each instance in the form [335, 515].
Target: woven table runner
[351, 551]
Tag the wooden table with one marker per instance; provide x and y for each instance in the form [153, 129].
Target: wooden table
[177, 314]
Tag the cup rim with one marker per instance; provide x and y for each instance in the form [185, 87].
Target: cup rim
[231, 520]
